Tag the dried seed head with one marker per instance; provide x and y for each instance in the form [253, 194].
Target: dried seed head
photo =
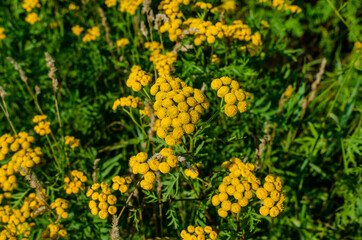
[52, 69]
[146, 6]
[18, 68]
[114, 232]
[144, 29]
[159, 18]
[2, 93]
[37, 90]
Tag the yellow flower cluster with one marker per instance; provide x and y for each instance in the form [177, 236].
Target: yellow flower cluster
[11, 231]
[232, 94]
[53, 231]
[120, 183]
[72, 141]
[227, 6]
[171, 9]
[43, 126]
[358, 45]
[2, 34]
[23, 156]
[288, 92]
[177, 106]
[111, 3]
[75, 182]
[122, 42]
[138, 78]
[33, 206]
[264, 24]
[193, 172]
[28, 5]
[282, 5]
[92, 34]
[60, 205]
[163, 162]
[32, 18]
[105, 198]
[13, 220]
[203, 5]
[14, 143]
[72, 6]
[238, 185]
[272, 194]
[196, 233]
[130, 6]
[77, 30]
[130, 101]
[215, 59]
[162, 62]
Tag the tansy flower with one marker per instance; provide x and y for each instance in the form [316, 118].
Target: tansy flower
[122, 42]
[32, 18]
[77, 30]
[2, 34]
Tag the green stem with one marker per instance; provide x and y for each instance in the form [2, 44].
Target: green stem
[51, 147]
[135, 122]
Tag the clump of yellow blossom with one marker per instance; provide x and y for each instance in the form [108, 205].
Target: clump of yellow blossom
[162, 162]
[130, 6]
[43, 126]
[32, 18]
[227, 6]
[13, 222]
[162, 62]
[130, 101]
[138, 78]
[60, 205]
[122, 42]
[235, 191]
[105, 198]
[282, 5]
[22, 156]
[72, 6]
[171, 10]
[203, 5]
[92, 34]
[288, 92]
[121, 183]
[178, 107]
[71, 141]
[75, 182]
[28, 5]
[2, 34]
[54, 230]
[272, 194]
[77, 30]
[232, 94]
[264, 24]
[111, 3]
[215, 59]
[198, 233]
[33, 206]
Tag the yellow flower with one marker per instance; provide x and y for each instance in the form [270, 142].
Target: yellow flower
[111, 3]
[274, 211]
[264, 211]
[72, 6]
[164, 167]
[222, 213]
[2, 35]
[32, 18]
[77, 30]
[122, 42]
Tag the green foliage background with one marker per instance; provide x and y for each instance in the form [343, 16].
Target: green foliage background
[315, 151]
